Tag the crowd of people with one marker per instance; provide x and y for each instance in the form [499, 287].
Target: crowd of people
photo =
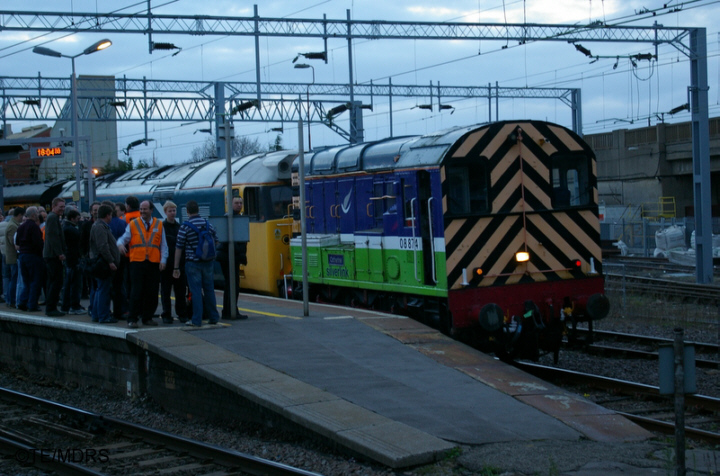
[119, 257]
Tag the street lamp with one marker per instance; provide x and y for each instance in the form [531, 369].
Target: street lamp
[100, 45]
[306, 66]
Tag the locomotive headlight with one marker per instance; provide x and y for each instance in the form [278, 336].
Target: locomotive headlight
[576, 264]
[478, 272]
[522, 256]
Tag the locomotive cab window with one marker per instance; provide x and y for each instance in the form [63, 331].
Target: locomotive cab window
[467, 189]
[251, 203]
[281, 198]
[570, 181]
[383, 200]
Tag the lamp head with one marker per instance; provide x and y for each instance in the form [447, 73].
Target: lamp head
[100, 45]
[41, 50]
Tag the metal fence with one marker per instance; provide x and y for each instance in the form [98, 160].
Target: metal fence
[639, 234]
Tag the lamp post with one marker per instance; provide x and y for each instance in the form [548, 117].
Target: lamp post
[41, 50]
[305, 66]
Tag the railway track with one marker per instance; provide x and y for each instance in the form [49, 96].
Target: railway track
[640, 403]
[66, 440]
[698, 293]
[619, 344]
[655, 267]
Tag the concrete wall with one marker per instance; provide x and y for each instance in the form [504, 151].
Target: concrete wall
[638, 166]
[70, 355]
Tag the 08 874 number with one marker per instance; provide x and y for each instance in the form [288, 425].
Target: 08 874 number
[409, 243]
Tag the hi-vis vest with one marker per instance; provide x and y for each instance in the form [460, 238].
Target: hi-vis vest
[145, 244]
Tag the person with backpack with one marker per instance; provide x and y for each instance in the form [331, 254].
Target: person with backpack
[198, 241]
[148, 253]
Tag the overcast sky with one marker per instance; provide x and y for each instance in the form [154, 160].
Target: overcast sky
[611, 97]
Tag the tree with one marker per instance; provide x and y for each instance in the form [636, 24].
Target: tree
[277, 145]
[121, 166]
[142, 164]
[241, 146]
[203, 152]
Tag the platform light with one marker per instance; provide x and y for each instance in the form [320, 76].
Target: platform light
[98, 46]
[522, 256]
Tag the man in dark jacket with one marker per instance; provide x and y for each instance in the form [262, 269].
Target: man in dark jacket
[118, 291]
[54, 255]
[73, 274]
[30, 250]
[102, 243]
[167, 282]
[229, 297]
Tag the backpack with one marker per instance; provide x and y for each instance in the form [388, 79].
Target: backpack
[205, 250]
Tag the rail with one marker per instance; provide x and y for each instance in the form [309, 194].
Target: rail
[126, 435]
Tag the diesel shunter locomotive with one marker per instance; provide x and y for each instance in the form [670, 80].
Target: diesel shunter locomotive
[490, 231]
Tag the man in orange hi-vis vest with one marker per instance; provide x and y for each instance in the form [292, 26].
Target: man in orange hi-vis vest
[148, 252]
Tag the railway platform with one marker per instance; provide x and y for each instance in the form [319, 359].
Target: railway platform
[381, 386]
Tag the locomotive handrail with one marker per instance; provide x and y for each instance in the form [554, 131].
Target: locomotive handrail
[367, 209]
[412, 217]
[308, 211]
[432, 240]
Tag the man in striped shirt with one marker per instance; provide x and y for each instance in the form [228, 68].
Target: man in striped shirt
[199, 272]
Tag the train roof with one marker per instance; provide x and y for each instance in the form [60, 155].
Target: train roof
[41, 192]
[387, 154]
[398, 152]
[257, 168]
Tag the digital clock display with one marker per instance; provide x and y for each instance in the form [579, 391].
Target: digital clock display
[45, 152]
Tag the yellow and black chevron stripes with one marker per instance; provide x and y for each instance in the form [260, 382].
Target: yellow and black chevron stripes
[522, 217]
[553, 240]
[506, 190]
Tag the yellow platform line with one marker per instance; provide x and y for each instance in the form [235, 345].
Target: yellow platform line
[253, 311]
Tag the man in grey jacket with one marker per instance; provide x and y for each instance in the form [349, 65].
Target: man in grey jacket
[102, 243]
